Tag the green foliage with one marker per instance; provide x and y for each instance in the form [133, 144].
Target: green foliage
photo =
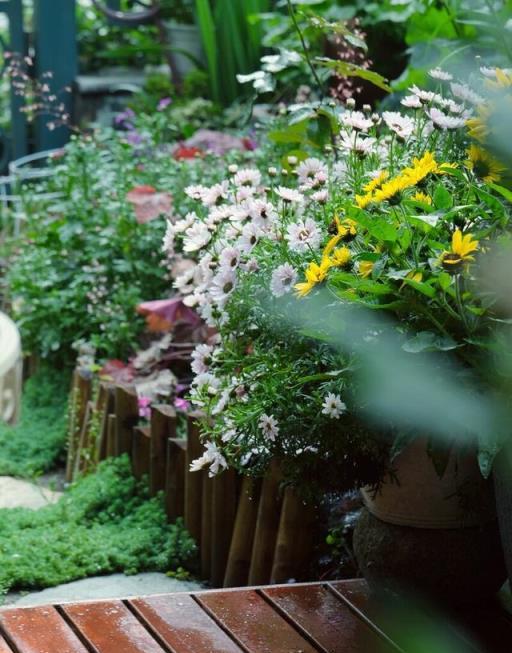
[105, 523]
[101, 43]
[231, 41]
[36, 444]
[89, 242]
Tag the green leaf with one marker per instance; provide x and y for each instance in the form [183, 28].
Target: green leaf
[420, 286]
[346, 69]
[445, 280]
[442, 198]
[505, 192]
[429, 341]
[491, 201]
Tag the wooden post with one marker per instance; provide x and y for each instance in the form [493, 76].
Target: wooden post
[163, 427]
[111, 436]
[108, 409]
[239, 559]
[224, 504]
[206, 526]
[141, 451]
[127, 415]
[193, 481]
[80, 463]
[294, 543]
[81, 390]
[175, 479]
[267, 525]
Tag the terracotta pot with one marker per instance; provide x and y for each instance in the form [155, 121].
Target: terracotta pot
[434, 536]
[418, 497]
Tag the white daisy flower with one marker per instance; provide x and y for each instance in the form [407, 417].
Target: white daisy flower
[249, 237]
[195, 192]
[268, 424]
[424, 96]
[182, 225]
[218, 214]
[320, 196]
[222, 285]
[201, 359]
[230, 258]
[247, 177]
[442, 121]
[283, 279]
[356, 120]
[196, 237]
[252, 265]
[303, 235]
[168, 240]
[211, 457]
[290, 195]
[263, 213]
[411, 102]
[243, 194]
[439, 73]
[207, 382]
[358, 144]
[333, 406]
[403, 126]
[185, 283]
[451, 105]
[215, 194]
[466, 93]
[309, 169]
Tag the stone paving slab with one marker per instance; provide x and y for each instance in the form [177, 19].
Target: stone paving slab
[16, 493]
[114, 586]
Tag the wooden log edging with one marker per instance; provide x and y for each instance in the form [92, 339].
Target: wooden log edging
[248, 531]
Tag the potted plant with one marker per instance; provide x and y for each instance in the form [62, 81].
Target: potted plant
[395, 226]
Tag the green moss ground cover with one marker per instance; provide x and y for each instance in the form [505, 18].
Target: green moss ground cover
[105, 523]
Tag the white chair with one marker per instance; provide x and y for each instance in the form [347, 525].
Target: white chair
[11, 370]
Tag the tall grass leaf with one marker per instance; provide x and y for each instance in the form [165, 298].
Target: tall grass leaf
[208, 35]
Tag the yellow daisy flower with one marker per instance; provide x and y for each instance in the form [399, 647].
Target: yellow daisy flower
[478, 126]
[314, 274]
[376, 181]
[460, 253]
[365, 268]
[485, 166]
[422, 197]
[341, 257]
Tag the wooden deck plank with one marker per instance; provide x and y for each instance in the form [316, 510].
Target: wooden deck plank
[183, 625]
[326, 619]
[39, 630]
[109, 627]
[479, 630]
[253, 622]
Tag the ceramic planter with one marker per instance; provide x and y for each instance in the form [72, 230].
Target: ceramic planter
[184, 39]
[435, 536]
[10, 370]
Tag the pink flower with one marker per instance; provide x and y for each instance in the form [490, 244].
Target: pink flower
[181, 404]
[148, 203]
[144, 404]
